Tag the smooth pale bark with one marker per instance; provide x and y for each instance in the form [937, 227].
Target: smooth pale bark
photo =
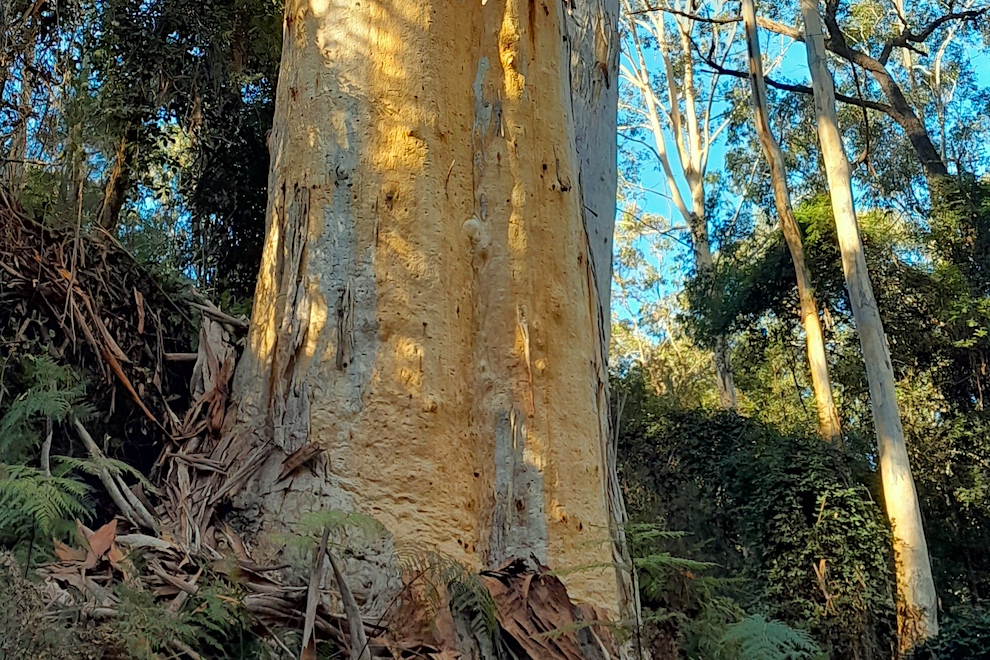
[917, 606]
[828, 416]
[692, 135]
[431, 311]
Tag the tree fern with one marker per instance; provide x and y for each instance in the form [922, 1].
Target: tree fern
[50, 393]
[312, 524]
[212, 623]
[654, 566]
[94, 465]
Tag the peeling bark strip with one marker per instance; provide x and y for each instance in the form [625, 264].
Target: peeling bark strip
[434, 287]
[289, 400]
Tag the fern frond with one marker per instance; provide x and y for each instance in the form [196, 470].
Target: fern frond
[767, 639]
[313, 524]
[30, 498]
[467, 595]
[95, 465]
[51, 393]
[646, 532]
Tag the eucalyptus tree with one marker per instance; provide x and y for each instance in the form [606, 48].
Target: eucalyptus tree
[428, 335]
[917, 607]
[36, 40]
[679, 106]
[931, 39]
[828, 415]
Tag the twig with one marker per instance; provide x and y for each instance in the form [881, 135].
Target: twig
[144, 541]
[181, 357]
[278, 640]
[105, 476]
[762, 21]
[788, 87]
[142, 511]
[188, 587]
[184, 648]
[30, 161]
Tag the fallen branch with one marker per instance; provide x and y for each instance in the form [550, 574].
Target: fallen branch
[313, 599]
[221, 316]
[359, 640]
[129, 505]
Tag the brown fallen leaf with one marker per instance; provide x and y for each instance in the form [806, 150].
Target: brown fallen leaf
[115, 555]
[82, 535]
[102, 539]
[68, 553]
[139, 303]
[90, 562]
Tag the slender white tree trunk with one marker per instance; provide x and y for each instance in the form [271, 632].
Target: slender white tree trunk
[692, 134]
[828, 416]
[724, 382]
[430, 319]
[917, 607]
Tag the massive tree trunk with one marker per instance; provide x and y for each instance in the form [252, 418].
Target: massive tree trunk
[431, 313]
[917, 614]
[828, 416]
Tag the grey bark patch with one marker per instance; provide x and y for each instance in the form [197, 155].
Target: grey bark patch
[519, 524]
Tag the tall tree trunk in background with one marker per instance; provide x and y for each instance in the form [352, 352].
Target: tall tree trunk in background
[828, 416]
[724, 382]
[692, 133]
[16, 170]
[917, 614]
[118, 180]
[431, 315]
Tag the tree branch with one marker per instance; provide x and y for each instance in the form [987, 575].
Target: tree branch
[766, 23]
[922, 36]
[800, 89]
[722, 20]
[907, 37]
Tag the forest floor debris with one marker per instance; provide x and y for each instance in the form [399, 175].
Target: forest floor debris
[158, 362]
